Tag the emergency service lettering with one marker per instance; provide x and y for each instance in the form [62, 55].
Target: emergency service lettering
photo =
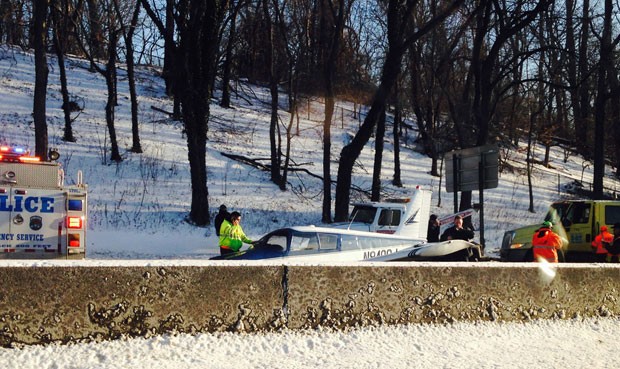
[21, 237]
[30, 204]
[29, 237]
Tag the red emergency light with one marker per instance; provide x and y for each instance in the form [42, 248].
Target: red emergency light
[74, 240]
[74, 222]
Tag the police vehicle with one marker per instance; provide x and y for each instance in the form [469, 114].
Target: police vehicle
[40, 216]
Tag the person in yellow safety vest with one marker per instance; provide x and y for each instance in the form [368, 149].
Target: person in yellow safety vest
[232, 236]
[599, 247]
[545, 243]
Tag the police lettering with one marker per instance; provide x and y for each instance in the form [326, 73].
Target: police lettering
[30, 204]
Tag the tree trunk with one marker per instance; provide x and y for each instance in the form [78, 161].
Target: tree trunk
[327, 150]
[64, 91]
[528, 163]
[170, 49]
[396, 180]
[276, 161]
[225, 103]
[351, 152]
[60, 13]
[95, 36]
[136, 147]
[600, 103]
[195, 113]
[110, 75]
[582, 120]
[40, 10]
[376, 172]
[195, 67]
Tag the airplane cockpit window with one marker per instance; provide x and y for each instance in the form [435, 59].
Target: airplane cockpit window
[389, 217]
[328, 241]
[304, 242]
[348, 243]
[276, 240]
[363, 214]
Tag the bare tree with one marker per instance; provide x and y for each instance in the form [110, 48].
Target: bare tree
[13, 17]
[166, 27]
[198, 24]
[579, 74]
[40, 11]
[112, 29]
[488, 70]
[332, 18]
[62, 19]
[133, 9]
[273, 78]
[600, 103]
[228, 57]
[401, 34]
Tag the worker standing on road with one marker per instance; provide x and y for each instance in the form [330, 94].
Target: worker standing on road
[600, 249]
[232, 236]
[613, 247]
[222, 215]
[432, 232]
[545, 244]
[457, 231]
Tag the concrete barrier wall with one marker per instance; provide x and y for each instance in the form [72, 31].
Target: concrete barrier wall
[71, 304]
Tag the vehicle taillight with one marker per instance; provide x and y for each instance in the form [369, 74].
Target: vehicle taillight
[74, 222]
[74, 240]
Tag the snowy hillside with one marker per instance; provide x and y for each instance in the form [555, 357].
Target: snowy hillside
[137, 208]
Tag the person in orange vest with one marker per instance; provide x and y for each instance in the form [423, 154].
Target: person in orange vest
[600, 248]
[545, 243]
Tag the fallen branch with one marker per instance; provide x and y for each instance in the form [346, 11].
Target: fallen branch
[267, 168]
[162, 110]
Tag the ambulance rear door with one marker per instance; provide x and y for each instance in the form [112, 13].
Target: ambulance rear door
[36, 219]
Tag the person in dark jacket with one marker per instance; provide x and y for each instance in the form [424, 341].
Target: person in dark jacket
[432, 233]
[613, 246]
[220, 217]
[457, 231]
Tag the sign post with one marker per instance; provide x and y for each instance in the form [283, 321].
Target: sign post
[471, 169]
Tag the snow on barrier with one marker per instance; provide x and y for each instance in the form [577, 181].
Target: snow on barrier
[44, 304]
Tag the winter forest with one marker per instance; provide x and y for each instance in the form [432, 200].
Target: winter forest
[462, 73]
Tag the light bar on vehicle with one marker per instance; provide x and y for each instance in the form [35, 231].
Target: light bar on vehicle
[15, 154]
[29, 158]
[13, 150]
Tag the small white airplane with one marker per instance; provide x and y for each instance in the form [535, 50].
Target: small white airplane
[377, 231]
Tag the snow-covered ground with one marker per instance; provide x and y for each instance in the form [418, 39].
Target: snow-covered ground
[137, 210]
[543, 344]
